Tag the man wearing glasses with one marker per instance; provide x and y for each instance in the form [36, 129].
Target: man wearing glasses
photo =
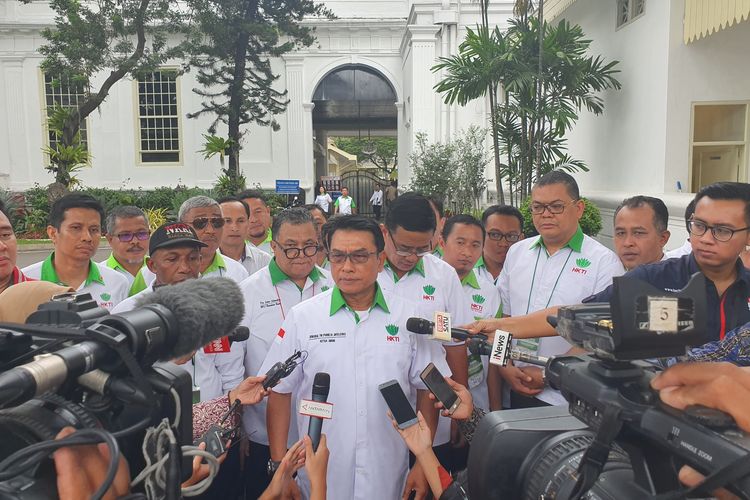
[503, 225]
[412, 272]
[204, 215]
[357, 333]
[128, 236]
[718, 234]
[560, 266]
[270, 293]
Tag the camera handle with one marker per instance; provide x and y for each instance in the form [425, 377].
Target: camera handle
[719, 479]
[595, 456]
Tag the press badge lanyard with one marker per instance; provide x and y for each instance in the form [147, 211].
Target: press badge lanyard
[533, 278]
[281, 304]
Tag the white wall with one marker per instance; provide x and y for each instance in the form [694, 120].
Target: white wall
[625, 147]
[715, 68]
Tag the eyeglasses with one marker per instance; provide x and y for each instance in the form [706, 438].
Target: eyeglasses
[356, 257]
[202, 222]
[140, 236]
[720, 233]
[555, 208]
[294, 252]
[408, 252]
[498, 236]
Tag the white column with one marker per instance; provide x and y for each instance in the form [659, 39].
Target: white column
[445, 125]
[14, 142]
[404, 133]
[424, 98]
[295, 113]
[453, 51]
[307, 180]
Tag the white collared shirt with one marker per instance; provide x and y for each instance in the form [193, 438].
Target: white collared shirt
[254, 259]
[437, 290]
[532, 280]
[266, 306]
[377, 197]
[685, 249]
[368, 458]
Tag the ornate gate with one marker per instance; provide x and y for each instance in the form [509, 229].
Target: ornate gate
[361, 184]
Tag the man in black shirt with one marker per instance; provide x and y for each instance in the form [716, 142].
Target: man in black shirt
[718, 234]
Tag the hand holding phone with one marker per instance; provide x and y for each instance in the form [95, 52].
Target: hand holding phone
[437, 385]
[398, 403]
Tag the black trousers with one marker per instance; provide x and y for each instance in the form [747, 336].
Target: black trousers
[256, 472]
[376, 209]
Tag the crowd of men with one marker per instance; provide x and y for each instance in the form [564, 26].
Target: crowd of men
[342, 290]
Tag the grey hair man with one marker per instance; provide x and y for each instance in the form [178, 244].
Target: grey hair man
[128, 236]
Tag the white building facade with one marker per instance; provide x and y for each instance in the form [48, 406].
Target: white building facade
[399, 40]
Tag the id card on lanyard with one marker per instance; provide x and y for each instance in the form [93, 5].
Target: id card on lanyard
[531, 346]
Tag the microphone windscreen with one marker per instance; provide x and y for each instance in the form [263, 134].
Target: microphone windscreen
[420, 326]
[321, 384]
[203, 309]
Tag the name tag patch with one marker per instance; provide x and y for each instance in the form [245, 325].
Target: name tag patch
[324, 338]
[269, 303]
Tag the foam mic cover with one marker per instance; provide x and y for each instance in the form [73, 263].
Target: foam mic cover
[203, 309]
[321, 386]
[420, 326]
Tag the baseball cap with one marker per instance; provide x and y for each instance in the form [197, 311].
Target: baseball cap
[174, 234]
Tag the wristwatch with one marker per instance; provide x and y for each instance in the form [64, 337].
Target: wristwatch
[272, 466]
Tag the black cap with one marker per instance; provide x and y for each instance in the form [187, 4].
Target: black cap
[174, 235]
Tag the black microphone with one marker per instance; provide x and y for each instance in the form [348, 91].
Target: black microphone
[321, 386]
[483, 348]
[423, 326]
[169, 323]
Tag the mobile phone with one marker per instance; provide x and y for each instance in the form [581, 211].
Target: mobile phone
[437, 385]
[398, 404]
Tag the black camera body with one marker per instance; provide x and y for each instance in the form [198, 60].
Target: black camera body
[114, 398]
[640, 442]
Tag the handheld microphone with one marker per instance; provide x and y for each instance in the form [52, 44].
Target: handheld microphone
[171, 322]
[321, 386]
[423, 326]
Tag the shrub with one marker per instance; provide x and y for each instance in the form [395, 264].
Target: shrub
[156, 217]
[591, 220]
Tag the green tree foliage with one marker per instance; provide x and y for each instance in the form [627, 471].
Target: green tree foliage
[471, 159]
[432, 168]
[120, 36]
[384, 156]
[530, 123]
[233, 43]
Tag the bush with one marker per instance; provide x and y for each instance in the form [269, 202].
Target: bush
[591, 220]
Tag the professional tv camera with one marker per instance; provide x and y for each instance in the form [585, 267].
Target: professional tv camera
[616, 439]
[73, 364]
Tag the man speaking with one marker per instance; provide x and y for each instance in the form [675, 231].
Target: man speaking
[356, 332]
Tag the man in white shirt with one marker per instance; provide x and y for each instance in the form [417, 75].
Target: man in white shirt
[233, 245]
[127, 235]
[75, 230]
[356, 332]
[290, 278]
[412, 272]
[259, 222]
[503, 225]
[560, 266]
[686, 247]
[204, 215]
[376, 200]
[462, 241]
[345, 204]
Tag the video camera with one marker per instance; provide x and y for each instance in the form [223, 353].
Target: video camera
[95, 371]
[615, 439]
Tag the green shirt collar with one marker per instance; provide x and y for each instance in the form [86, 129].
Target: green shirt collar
[338, 302]
[48, 272]
[471, 280]
[575, 243]
[139, 283]
[216, 264]
[480, 262]
[419, 268]
[269, 236]
[277, 275]
[438, 252]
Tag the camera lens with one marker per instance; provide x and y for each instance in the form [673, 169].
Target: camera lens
[552, 465]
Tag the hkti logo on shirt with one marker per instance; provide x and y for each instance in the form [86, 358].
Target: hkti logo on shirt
[581, 265]
[392, 333]
[429, 292]
[477, 306]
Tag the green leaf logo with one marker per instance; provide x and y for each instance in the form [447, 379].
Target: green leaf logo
[428, 289]
[478, 299]
[391, 329]
[325, 287]
[106, 296]
[583, 262]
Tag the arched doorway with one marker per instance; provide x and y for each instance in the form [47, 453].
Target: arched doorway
[355, 131]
